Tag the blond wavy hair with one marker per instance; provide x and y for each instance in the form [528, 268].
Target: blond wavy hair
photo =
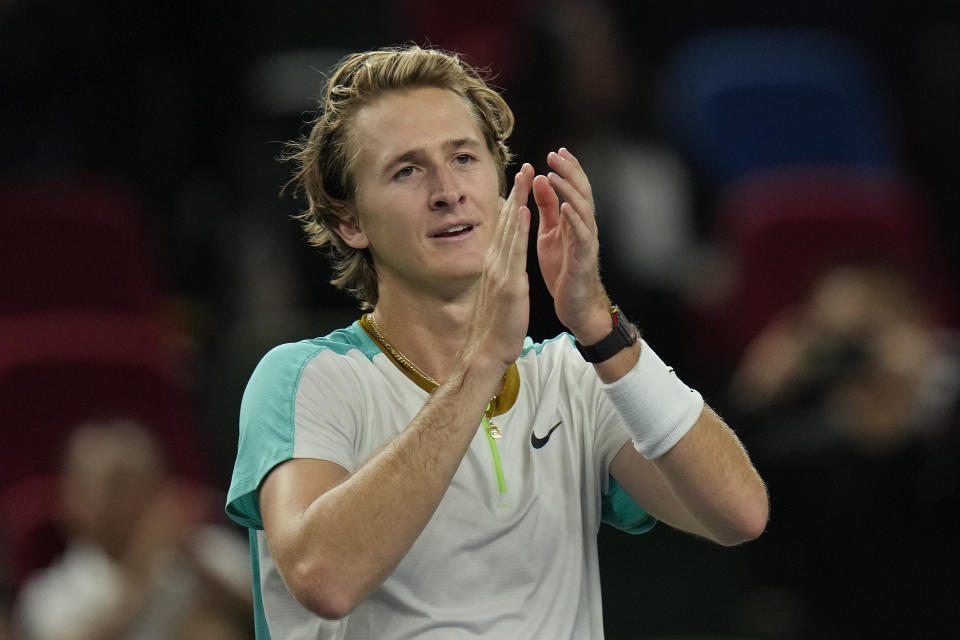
[326, 157]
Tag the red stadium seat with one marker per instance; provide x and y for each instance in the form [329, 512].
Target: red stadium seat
[75, 243]
[30, 533]
[59, 369]
[783, 227]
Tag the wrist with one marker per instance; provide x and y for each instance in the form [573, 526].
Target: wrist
[656, 407]
[477, 371]
[595, 328]
[607, 338]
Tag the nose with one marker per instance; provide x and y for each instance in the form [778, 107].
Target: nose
[446, 190]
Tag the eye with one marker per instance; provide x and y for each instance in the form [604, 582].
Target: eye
[406, 172]
[464, 158]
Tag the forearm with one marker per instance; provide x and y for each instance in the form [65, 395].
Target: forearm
[351, 537]
[698, 475]
[684, 460]
[712, 477]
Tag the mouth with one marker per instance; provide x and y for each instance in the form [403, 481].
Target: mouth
[454, 231]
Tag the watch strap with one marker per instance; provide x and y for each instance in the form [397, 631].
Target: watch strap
[622, 335]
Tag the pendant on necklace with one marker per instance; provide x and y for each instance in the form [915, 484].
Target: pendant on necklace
[492, 429]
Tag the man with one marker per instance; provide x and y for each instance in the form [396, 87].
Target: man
[428, 472]
[142, 559]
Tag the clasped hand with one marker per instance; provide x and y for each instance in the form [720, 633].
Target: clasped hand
[567, 249]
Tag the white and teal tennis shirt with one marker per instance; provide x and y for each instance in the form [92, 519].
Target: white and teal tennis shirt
[511, 551]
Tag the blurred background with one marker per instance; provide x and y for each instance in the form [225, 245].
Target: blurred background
[777, 196]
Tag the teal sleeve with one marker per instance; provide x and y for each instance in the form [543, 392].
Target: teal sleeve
[266, 427]
[620, 511]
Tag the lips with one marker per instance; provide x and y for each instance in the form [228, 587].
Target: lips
[453, 231]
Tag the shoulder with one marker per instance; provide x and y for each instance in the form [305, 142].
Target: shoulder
[283, 365]
[341, 342]
[317, 370]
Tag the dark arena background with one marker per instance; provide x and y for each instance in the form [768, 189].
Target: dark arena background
[777, 197]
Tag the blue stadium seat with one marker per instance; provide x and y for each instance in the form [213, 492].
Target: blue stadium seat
[736, 101]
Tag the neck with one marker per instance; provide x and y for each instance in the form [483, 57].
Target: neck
[428, 329]
[423, 339]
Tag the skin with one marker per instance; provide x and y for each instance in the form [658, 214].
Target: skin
[459, 307]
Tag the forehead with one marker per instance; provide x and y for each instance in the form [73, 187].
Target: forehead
[412, 119]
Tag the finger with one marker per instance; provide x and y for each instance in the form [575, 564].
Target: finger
[582, 233]
[514, 198]
[518, 246]
[505, 206]
[522, 185]
[522, 217]
[528, 174]
[548, 204]
[563, 158]
[567, 165]
[571, 180]
[581, 207]
[565, 153]
[506, 222]
[499, 230]
[506, 273]
[520, 192]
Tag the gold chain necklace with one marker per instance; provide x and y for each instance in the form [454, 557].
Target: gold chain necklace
[409, 365]
[402, 359]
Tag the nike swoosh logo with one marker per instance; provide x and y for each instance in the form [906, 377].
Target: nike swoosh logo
[539, 442]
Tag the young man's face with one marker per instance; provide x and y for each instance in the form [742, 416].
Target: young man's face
[427, 189]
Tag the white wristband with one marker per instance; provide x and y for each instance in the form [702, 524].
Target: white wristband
[656, 406]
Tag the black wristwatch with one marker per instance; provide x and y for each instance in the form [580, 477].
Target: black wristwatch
[622, 336]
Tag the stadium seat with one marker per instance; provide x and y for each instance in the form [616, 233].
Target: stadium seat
[783, 227]
[75, 243]
[737, 101]
[30, 533]
[60, 368]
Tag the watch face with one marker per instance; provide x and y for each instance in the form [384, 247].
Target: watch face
[626, 327]
[628, 331]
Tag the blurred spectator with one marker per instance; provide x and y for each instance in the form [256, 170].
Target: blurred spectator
[141, 560]
[852, 398]
[864, 346]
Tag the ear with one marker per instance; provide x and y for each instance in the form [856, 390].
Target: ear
[348, 228]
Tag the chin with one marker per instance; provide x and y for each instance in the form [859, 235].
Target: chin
[458, 276]
[462, 265]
